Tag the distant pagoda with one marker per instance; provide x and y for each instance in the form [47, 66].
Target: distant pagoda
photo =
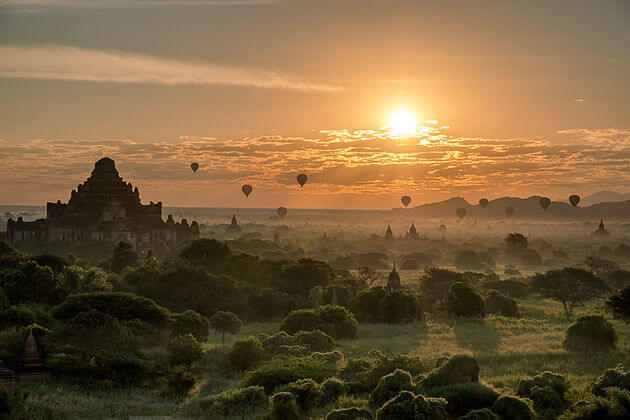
[389, 235]
[393, 280]
[412, 234]
[233, 227]
[103, 208]
[601, 231]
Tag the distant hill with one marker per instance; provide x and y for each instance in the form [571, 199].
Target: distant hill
[524, 208]
[604, 197]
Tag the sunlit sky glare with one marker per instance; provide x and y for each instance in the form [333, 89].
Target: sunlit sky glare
[373, 99]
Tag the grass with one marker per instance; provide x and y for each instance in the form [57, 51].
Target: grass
[507, 349]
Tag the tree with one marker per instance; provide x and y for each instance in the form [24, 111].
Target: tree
[515, 244]
[123, 256]
[468, 260]
[619, 304]
[463, 300]
[225, 322]
[569, 286]
[298, 277]
[436, 282]
[208, 253]
[368, 276]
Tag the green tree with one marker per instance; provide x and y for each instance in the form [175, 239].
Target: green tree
[463, 300]
[225, 322]
[123, 256]
[298, 277]
[619, 304]
[208, 253]
[569, 286]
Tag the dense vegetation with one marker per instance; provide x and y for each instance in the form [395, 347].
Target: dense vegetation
[207, 331]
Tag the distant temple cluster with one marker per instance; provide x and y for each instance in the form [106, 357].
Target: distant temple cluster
[103, 208]
[601, 231]
[411, 235]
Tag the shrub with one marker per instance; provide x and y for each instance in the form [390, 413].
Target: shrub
[353, 413]
[463, 300]
[122, 306]
[590, 333]
[406, 405]
[460, 368]
[547, 391]
[190, 322]
[5, 402]
[333, 357]
[338, 322]
[512, 408]
[225, 322]
[184, 350]
[272, 343]
[481, 414]
[611, 378]
[294, 350]
[463, 397]
[615, 405]
[389, 386]
[368, 374]
[512, 288]
[285, 370]
[307, 393]
[180, 381]
[496, 303]
[93, 320]
[335, 321]
[284, 407]
[237, 401]
[332, 389]
[367, 304]
[25, 314]
[246, 352]
[316, 340]
[300, 320]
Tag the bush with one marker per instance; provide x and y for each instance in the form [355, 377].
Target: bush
[285, 370]
[300, 320]
[12, 346]
[335, 321]
[316, 340]
[184, 350]
[284, 407]
[512, 288]
[246, 352]
[367, 304]
[93, 320]
[590, 333]
[512, 408]
[463, 300]
[354, 413]
[332, 389]
[272, 343]
[5, 402]
[25, 314]
[619, 304]
[464, 397]
[547, 391]
[611, 378]
[307, 393]
[237, 401]
[389, 386]
[122, 306]
[468, 260]
[180, 381]
[406, 405]
[332, 357]
[616, 405]
[368, 374]
[190, 322]
[481, 414]
[496, 303]
[460, 368]
[225, 322]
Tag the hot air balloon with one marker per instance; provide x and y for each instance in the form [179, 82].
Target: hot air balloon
[461, 212]
[574, 200]
[247, 190]
[544, 202]
[194, 166]
[483, 203]
[301, 179]
[282, 211]
[405, 199]
[509, 211]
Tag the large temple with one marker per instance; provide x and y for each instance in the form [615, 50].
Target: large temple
[103, 208]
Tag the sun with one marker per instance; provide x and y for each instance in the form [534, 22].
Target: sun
[402, 122]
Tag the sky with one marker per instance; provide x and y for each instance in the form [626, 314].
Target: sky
[508, 98]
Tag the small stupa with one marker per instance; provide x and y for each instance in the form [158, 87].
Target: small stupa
[601, 231]
[393, 280]
[234, 227]
[33, 369]
[389, 235]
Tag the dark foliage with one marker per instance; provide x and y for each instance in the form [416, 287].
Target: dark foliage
[619, 304]
[335, 321]
[285, 370]
[246, 352]
[406, 405]
[184, 350]
[496, 303]
[284, 407]
[591, 334]
[463, 301]
[307, 393]
[569, 286]
[190, 322]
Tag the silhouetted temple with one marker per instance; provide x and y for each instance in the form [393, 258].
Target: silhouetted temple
[389, 235]
[412, 234]
[393, 280]
[103, 208]
[601, 230]
[233, 228]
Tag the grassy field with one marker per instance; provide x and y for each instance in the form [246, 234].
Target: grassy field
[507, 349]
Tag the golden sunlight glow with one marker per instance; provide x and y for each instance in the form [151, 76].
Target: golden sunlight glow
[402, 122]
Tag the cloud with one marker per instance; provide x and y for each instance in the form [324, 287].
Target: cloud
[610, 136]
[76, 64]
[360, 163]
[41, 5]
